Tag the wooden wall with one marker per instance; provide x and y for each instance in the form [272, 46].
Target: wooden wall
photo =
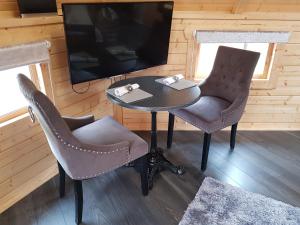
[25, 159]
[276, 108]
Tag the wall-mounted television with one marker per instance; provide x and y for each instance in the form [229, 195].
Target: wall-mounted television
[109, 39]
[34, 7]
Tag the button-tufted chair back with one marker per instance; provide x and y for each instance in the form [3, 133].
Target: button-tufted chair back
[57, 131]
[231, 74]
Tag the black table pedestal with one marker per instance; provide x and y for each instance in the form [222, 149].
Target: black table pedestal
[157, 160]
[163, 99]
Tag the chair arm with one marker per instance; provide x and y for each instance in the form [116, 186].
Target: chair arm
[77, 122]
[235, 111]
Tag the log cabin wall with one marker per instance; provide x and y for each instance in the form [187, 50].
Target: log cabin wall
[26, 161]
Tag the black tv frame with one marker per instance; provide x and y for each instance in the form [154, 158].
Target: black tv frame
[125, 72]
[45, 11]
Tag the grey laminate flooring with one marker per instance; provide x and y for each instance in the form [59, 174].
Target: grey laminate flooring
[262, 162]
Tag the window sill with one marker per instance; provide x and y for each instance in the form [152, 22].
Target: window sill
[14, 120]
[265, 84]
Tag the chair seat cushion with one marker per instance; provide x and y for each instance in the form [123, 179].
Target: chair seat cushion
[208, 108]
[108, 131]
[204, 114]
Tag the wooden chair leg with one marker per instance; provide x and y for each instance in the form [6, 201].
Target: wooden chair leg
[144, 172]
[78, 201]
[205, 152]
[62, 177]
[170, 130]
[233, 135]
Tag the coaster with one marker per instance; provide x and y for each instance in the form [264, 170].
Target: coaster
[132, 96]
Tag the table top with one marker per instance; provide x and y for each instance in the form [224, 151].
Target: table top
[164, 98]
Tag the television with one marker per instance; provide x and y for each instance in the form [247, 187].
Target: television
[109, 39]
[31, 7]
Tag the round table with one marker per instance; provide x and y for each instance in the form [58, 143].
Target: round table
[164, 98]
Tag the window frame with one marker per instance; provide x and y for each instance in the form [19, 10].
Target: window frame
[268, 63]
[35, 79]
[267, 66]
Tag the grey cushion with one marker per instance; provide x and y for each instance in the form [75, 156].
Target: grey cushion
[208, 109]
[206, 114]
[108, 131]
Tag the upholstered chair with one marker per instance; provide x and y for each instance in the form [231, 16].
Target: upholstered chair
[85, 148]
[223, 97]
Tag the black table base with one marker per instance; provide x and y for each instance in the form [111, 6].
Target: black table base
[163, 99]
[157, 160]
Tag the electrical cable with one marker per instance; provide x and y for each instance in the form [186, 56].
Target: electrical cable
[81, 92]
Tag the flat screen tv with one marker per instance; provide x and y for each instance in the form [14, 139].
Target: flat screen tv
[109, 39]
[30, 7]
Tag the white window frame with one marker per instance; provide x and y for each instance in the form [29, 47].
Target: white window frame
[267, 67]
[34, 55]
[191, 34]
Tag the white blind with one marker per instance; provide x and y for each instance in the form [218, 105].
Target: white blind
[241, 37]
[25, 54]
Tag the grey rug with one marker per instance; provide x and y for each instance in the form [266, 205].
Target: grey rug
[222, 204]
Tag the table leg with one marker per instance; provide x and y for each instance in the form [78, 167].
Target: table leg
[153, 131]
[157, 160]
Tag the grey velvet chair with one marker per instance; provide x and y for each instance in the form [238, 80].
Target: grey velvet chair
[85, 148]
[223, 97]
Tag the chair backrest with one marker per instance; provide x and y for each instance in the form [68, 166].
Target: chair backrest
[231, 74]
[54, 126]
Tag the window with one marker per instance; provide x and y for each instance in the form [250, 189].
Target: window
[12, 102]
[207, 53]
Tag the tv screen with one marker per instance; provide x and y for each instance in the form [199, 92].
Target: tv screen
[108, 39]
[37, 6]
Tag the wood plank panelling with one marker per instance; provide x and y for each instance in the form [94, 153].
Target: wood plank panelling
[25, 159]
[277, 108]
[222, 5]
